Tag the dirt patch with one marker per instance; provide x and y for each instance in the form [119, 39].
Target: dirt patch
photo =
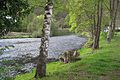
[114, 75]
[17, 33]
[81, 75]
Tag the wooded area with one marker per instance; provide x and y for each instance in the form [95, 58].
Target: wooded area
[96, 20]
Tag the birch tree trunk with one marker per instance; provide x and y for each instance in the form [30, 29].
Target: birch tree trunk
[42, 60]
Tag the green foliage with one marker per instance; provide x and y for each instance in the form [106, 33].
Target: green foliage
[3, 70]
[36, 3]
[31, 23]
[36, 34]
[10, 14]
[89, 43]
[82, 12]
[56, 30]
[34, 25]
[19, 22]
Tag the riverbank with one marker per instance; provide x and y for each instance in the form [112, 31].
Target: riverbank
[30, 46]
[21, 55]
[103, 64]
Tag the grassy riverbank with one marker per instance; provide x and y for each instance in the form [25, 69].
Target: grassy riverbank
[12, 35]
[103, 64]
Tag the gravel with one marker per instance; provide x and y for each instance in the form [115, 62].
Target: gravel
[30, 46]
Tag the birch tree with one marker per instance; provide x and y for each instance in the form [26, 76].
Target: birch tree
[42, 60]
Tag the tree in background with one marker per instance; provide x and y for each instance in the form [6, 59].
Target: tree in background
[41, 64]
[59, 25]
[85, 16]
[33, 24]
[11, 12]
[113, 4]
[97, 28]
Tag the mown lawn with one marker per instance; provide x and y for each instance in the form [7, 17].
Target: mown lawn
[102, 64]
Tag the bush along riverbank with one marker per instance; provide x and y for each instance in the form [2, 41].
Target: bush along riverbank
[102, 64]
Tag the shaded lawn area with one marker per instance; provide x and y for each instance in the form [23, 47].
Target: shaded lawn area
[103, 64]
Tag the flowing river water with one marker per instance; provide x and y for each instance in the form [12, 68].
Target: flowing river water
[25, 47]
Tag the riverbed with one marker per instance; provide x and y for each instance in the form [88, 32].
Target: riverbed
[30, 46]
[22, 53]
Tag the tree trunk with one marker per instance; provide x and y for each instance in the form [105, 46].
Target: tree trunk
[109, 35]
[110, 32]
[98, 26]
[42, 60]
[113, 14]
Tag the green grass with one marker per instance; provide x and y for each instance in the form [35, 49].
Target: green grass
[103, 64]
[18, 36]
[11, 35]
